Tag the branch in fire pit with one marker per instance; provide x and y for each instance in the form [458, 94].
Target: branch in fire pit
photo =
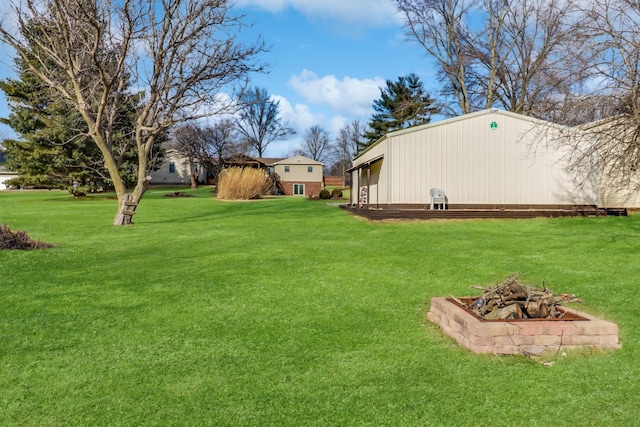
[513, 300]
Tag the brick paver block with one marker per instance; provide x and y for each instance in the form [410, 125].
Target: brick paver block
[521, 337]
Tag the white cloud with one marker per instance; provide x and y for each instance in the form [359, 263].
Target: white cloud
[335, 124]
[268, 5]
[368, 12]
[349, 96]
[298, 116]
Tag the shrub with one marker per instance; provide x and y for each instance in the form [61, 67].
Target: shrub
[324, 194]
[336, 193]
[243, 184]
[19, 240]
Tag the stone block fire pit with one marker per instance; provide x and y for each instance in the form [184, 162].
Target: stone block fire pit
[575, 330]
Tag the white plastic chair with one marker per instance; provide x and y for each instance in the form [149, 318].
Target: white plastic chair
[438, 198]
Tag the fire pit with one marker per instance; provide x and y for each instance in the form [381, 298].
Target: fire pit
[575, 330]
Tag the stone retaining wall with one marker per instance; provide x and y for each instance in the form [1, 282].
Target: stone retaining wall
[531, 337]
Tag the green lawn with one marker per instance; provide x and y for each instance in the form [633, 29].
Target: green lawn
[291, 312]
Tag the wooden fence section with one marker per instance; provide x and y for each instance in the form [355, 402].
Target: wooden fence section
[334, 181]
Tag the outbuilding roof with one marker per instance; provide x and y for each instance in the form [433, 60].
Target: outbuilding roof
[302, 160]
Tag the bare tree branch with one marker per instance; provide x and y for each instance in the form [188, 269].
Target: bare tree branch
[181, 53]
[316, 144]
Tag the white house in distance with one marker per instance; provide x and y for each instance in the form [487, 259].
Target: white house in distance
[174, 170]
[298, 175]
[487, 159]
[5, 175]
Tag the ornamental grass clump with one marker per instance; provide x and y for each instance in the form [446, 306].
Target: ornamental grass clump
[243, 184]
[19, 240]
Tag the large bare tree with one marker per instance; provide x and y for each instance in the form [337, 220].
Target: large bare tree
[182, 53]
[614, 94]
[518, 55]
[259, 122]
[440, 27]
[349, 142]
[538, 55]
[204, 147]
[221, 141]
[316, 144]
[187, 139]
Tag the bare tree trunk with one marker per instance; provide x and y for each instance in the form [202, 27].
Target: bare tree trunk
[129, 203]
[89, 55]
[194, 180]
[126, 210]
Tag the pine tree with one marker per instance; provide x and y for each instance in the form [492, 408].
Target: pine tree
[402, 104]
[52, 149]
[90, 54]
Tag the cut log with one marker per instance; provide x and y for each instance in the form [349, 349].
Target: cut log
[510, 312]
[513, 300]
[537, 309]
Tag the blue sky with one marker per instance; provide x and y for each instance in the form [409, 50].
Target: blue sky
[327, 60]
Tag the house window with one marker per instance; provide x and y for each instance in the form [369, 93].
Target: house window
[172, 167]
[195, 168]
[298, 189]
[286, 168]
[310, 169]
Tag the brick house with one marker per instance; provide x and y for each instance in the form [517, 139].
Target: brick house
[299, 175]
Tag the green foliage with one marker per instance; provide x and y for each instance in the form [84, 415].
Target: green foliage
[402, 104]
[45, 141]
[324, 194]
[260, 313]
[53, 150]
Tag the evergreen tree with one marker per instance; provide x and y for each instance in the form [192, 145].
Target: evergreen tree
[89, 54]
[53, 149]
[402, 104]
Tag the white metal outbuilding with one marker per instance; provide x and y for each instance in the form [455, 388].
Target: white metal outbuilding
[491, 157]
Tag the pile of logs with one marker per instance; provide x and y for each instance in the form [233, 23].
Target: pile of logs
[513, 300]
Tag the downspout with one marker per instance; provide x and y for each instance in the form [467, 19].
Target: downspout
[378, 193]
[351, 191]
[368, 186]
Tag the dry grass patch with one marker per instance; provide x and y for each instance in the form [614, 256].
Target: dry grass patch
[243, 184]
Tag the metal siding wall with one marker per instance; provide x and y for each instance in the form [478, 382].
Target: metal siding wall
[475, 164]
[613, 196]
[379, 176]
